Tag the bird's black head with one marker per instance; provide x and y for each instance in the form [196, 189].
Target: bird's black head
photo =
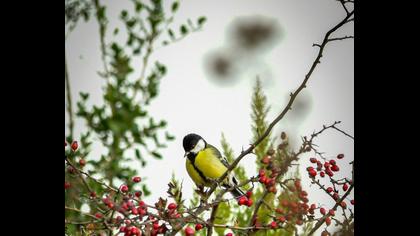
[190, 141]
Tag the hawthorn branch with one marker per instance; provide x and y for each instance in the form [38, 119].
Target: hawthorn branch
[69, 100]
[102, 31]
[322, 220]
[289, 104]
[340, 38]
[92, 178]
[79, 211]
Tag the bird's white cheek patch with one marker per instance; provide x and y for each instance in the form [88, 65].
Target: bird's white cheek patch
[199, 146]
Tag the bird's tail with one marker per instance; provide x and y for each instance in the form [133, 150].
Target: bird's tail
[236, 192]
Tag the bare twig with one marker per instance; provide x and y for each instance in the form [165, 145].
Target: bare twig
[89, 176]
[322, 220]
[69, 100]
[102, 32]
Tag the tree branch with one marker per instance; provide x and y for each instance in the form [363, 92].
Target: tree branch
[69, 101]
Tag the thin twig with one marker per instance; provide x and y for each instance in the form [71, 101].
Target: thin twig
[69, 100]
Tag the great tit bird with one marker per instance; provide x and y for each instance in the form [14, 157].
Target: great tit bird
[205, 164]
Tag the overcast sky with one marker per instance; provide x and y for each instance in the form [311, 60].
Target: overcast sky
[187, 93]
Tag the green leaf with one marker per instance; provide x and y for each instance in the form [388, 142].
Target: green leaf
[139, 6]
[124, 14]
[183, 29]
[201, 20]
[171, 34]
[175, 6]
[145, 190]
[84, 96]
[156, 155]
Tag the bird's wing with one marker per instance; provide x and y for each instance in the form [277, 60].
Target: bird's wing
[219, 155]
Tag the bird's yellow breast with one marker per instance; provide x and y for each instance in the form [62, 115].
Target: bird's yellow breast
[208, 163]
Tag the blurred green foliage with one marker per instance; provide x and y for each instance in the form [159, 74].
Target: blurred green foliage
[122, 123]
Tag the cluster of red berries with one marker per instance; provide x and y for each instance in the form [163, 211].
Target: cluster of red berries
[190, 231]
[268, 181]
[294, 209]
[327, 168]
[246, 200]
[172, 211]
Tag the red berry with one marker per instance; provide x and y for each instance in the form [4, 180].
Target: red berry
[328, 220]
[134, 211]
[329, 189]
[189, 231]
[335, 168]
[284, 203]
[335, 196]
[329, 173]
[198, 227]
[325, 233]
[229, 234]
[242, 200]
[322, 174]
[262, 179]
[82, 162]
[124, 188]
[249, 194]
[345, 187]
[343, 205]
[297, 184]
[266, 160]
[282, 219]
[267, 181]
[71, 170]
[273, 225]
[279, 211]
[340, 156]
[331, 212]
[352, 201]
[141, 211]
[74, 145]
[309, 168]
[313, 160]
[92, 194]
[261, 172]
[299, 222]
[249, 202]
[322, 210]
[122, 229]
[141, 203]
[313, 206]
[67, 185]
[156, 225]
[98, 215]
[272, 189]
[138, 194]
[172, 206]
[136, 179]
[319, 166]
[326, 164]
[312, 173]
[332, 162]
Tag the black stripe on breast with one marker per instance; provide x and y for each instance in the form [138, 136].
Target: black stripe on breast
[191, 157]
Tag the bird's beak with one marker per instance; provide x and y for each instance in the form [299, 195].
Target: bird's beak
[186, 154]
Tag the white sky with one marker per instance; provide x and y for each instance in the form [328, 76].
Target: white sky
[187, 94]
